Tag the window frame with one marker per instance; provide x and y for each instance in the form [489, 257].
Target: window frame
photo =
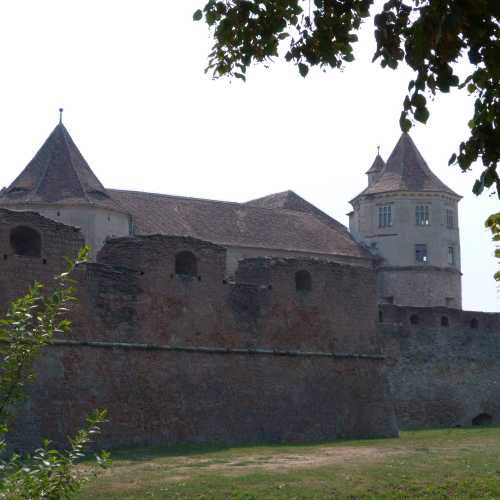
[422, 215]
[424, 259]
[450, 218]
[451, 261]
[385, 216]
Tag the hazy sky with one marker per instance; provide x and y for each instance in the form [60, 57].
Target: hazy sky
[139, 106]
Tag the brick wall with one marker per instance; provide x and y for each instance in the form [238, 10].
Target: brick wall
[162, 397]
[17, 272]
[179, 358]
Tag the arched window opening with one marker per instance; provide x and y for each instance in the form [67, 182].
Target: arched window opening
[445, 321]
[474, 323]
[26, 241]
[380, 317]
[414, 319]
[185, 264]
[482, 419]
[303, 282]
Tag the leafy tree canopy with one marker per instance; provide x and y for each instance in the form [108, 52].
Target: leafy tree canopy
[430, 36]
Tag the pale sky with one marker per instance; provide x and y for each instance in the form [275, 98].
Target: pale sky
[139, 106]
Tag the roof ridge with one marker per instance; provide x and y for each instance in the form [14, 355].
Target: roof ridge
[241, 204]
[75, 170]
[42, 177]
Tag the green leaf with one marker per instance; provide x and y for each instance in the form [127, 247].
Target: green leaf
[303, 69]
[478, 188]
[404, 123]
[197, 15]
[418, 100]
[421, 115]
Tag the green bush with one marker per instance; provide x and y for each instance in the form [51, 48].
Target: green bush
[29, 325]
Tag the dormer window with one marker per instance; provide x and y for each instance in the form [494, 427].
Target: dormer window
[385, 216]
[422, 215]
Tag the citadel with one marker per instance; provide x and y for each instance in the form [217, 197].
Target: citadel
[201, 320]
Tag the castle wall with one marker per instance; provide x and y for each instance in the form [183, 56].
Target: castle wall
[161, 397]
[96, 223]
[421, 286]
[17, 272]
[236, 254]
[441, 376]
[177, 358]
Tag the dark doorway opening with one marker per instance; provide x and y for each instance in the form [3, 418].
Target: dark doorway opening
[26, 241]
[185, 264]
[482, 419]
[303, 281]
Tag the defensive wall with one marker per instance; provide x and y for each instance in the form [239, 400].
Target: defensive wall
[176, 353]
[291, 350]
[443, 365]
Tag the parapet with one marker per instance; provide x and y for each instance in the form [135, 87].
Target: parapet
[438, 318]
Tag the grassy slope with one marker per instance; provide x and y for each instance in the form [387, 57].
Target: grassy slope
[450, 463]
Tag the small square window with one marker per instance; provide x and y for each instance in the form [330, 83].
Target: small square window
[421, 256]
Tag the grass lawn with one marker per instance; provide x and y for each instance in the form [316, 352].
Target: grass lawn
[444, 463]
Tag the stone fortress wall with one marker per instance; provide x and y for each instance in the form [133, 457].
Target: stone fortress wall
[190, 357]
[443, 365]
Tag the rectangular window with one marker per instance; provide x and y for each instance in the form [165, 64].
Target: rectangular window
[450, 219]
[422, 215]
[421, 256]
[451, 256]
[385, 216]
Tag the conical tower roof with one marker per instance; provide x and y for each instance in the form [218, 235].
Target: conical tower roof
[406, 170]
[377, 165]
[58, 174]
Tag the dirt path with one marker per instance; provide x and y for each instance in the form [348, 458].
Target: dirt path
[184, 468]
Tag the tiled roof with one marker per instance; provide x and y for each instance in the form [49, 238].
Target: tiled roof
[406, 170]
[292, 201]
[57, 174]
[284, 221]
[236, 224]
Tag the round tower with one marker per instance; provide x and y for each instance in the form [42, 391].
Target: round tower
[408, 219]
[59, 184]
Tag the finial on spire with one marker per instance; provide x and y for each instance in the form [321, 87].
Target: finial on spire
[378, 150]
[60, 114]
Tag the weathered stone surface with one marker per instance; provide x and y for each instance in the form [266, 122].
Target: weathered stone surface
[166, 397]
[442, 376]
[195, 358]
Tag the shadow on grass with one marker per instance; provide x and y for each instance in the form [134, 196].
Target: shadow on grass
[141, 453]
